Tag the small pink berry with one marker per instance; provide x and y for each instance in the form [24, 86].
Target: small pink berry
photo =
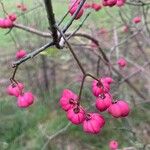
[119, 109]
[87, 5]
[111, 3]
[124, 108]
[25, 100]
[103, 102]
[113, 145]
[108, 80]
[76, 115]
[73, 9]
[136, 19]
[120, 3]
[104, 2]
[21, 54]
[122, 62]
[115, 110]
[15, 89]
[96, 7]
[100, 88]
[93, 123]
[68, 100]
[12, 17]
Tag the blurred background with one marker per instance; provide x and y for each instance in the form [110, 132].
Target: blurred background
[44, 126]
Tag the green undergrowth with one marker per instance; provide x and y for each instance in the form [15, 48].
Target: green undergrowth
[22, 129]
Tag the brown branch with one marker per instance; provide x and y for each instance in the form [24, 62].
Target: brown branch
[71, 50]
[74, 16]
[112, 67]
[52, 22]
[32, 30]
[32, 54]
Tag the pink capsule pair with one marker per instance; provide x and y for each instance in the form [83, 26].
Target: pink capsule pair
[91, 122]
[102, 86]
[8, 22]
[15, 89]
[24, 100]
[119, 109]
[21, 54]
[68, 102]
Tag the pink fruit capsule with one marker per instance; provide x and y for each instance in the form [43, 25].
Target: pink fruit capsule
[108, 80]
[120, 3]
[100, 88]
[96, 6]
[21, 54]
[119, 109]
[104, 2]
[25, 100]
[103, 102]
[87, 5]
[68, 99]
[122, 62]
[115, 110]
[93, 123]
[76, 115]
[113, 145]
[136, 19]
[111, 3]
[12, 17]
[73, 9]
[15, 89]
[124, 108]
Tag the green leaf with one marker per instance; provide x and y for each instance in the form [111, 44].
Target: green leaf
[52, 52]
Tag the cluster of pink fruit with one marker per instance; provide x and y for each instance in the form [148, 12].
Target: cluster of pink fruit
[24, 99]
[8, 21]
[93, 122]
[74, 4]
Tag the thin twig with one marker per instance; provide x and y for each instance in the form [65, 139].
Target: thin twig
[32, 54]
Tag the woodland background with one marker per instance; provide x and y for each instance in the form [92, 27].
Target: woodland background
[44, 125]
